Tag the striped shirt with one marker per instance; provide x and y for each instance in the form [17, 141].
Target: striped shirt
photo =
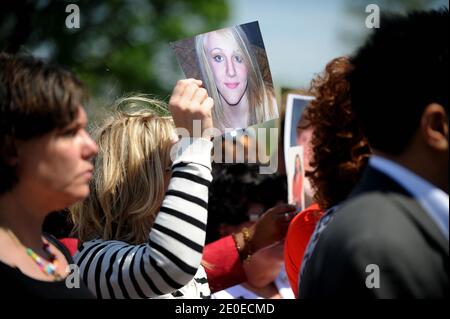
[197, 288]
[172, 254]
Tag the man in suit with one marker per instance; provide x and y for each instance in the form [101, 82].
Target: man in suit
[389, 239]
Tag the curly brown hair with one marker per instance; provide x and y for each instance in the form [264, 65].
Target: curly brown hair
[340, 149]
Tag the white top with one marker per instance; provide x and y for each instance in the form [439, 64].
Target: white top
[240, 292]
[433, 200]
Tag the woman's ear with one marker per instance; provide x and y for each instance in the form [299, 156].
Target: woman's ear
[8, 152]
[434, 127]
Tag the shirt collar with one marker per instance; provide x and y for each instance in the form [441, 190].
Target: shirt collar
[434, 200]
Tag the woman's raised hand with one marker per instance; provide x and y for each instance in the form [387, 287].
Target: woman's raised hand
[190, 102]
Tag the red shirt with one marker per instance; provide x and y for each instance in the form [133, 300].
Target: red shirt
[224, 268]
[297, 189]
[70, 243]
[297, 239]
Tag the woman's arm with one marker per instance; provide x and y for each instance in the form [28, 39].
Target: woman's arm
[224, 257]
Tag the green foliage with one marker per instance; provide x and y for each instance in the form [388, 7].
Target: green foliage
[121, 46]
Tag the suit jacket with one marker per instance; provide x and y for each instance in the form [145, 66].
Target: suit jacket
[380, 224]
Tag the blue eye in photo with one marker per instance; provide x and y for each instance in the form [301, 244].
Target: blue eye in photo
[238, 58]
[218, 58]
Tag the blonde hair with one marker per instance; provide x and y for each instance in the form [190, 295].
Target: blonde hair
[261, 97]
[128, 185]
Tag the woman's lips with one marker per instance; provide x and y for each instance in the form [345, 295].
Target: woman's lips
[88, 174]
[232, 85]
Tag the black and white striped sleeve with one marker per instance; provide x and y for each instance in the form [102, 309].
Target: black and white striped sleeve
[170, 258]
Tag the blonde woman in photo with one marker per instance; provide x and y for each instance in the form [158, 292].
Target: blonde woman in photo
[233, 78]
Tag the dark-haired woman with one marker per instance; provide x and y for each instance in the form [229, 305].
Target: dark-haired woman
[44, 166]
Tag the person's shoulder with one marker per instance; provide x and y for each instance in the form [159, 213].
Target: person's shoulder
[99, 246]
[370, 220]
[303, 224]
[309, 215]
[371, 207]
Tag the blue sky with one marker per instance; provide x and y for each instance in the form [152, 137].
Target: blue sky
[301, 36]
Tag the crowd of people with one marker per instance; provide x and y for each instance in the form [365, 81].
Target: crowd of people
[144, 213]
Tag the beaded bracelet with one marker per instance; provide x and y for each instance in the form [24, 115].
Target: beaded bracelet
[246, 235]
[248, 245]
[239, 248]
